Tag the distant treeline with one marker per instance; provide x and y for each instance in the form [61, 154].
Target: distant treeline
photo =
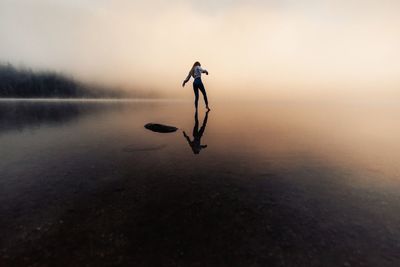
[25, 83]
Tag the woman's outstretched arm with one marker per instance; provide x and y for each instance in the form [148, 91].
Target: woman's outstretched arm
[204, 71]
[186, 80]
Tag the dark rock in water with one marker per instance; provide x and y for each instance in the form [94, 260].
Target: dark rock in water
[160, 128]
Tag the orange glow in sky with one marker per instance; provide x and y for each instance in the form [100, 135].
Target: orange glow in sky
[257, 48]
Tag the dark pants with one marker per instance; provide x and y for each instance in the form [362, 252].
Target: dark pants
[198, 84]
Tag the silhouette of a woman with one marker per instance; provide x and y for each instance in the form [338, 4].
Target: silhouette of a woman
[196, 72]
[196, 145]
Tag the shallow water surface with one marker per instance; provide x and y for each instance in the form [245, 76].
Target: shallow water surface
[277, 184]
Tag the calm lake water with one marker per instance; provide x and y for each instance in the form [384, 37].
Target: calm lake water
[257, 184]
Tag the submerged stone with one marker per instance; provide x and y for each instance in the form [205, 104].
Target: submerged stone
[160, 128]
[137, 148]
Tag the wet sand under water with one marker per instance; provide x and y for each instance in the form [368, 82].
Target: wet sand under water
[278, 184]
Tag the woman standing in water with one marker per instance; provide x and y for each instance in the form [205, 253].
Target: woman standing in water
[196, 72]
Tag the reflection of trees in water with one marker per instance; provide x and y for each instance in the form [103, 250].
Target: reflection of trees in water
[23, 115]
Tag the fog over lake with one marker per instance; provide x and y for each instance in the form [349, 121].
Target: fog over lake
[252, 49]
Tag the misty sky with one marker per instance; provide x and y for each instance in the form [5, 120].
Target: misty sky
[249, 47]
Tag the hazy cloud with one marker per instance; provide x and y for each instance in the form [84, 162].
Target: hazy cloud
[246, 45]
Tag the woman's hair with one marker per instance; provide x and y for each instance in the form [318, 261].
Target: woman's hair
[194, 65]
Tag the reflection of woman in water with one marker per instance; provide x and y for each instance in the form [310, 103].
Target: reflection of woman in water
[196, 72]
[197, 134]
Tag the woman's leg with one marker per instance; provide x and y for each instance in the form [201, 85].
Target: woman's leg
[203, 91]
[196, 95]
[196, 125]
